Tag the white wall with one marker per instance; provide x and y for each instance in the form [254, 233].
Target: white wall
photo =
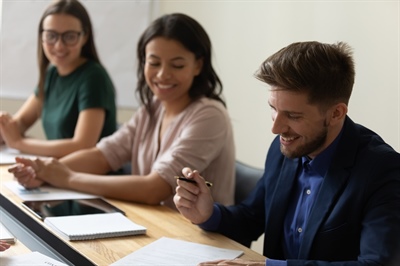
[245, 33]
[116, 29]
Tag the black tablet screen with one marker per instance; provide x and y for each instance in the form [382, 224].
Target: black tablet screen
[48, 208]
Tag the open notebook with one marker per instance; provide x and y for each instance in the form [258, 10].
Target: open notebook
[92, 226]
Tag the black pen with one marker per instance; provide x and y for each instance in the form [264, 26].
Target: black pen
[209, 184]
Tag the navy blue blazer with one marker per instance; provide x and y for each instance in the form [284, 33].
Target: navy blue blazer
[355, 219]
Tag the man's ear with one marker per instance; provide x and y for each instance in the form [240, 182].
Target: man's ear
[338, 113]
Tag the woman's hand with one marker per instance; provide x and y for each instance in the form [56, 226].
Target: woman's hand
[53, 172]
[24, 172]
[4, 245]
[33, 173]
[9, 131]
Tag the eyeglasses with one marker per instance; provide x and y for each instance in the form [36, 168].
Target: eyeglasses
[69, 38]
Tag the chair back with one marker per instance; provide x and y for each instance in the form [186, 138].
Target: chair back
[246, 179]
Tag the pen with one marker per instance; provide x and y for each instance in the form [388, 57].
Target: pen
[209, 184]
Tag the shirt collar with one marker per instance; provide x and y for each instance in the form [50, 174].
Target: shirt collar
[321, 162]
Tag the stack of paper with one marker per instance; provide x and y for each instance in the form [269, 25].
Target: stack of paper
[92, 226]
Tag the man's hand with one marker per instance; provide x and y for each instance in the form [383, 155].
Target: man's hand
[193, 200]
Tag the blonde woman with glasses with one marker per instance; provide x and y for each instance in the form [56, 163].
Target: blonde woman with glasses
[74, 97]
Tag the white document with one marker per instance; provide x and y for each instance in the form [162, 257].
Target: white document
[168, 251]
[45, 192]
[6, 235]
[7, 155]
[33, 258]
[93, 226]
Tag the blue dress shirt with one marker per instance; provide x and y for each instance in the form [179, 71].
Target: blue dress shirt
[309, 180]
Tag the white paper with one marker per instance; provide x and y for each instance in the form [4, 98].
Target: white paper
[7, 155]
[33, 258]
[168, 251]
[45, 192]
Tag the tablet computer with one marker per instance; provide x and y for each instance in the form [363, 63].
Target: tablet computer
[49, 208]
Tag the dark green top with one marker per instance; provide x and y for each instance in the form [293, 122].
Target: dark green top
[89, 86]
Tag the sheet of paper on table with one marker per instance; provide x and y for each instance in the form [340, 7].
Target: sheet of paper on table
[45, 192]
[7, 155]
[33, 258]
[167, 251]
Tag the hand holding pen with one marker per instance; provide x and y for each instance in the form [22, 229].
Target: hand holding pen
[194, 201]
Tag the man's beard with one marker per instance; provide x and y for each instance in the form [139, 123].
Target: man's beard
[309, 147]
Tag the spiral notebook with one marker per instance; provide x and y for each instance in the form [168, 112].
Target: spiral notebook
[93, 226]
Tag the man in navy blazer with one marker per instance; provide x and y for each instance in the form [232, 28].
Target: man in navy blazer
[330, 193]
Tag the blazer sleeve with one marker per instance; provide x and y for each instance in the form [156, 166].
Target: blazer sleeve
[245, 222]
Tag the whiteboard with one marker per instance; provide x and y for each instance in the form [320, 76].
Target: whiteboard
[117, 26]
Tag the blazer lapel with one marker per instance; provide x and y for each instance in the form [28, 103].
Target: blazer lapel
[332, 186]
[278, 203]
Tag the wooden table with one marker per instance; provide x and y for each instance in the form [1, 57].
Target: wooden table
[17, 248]
[159, 220]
